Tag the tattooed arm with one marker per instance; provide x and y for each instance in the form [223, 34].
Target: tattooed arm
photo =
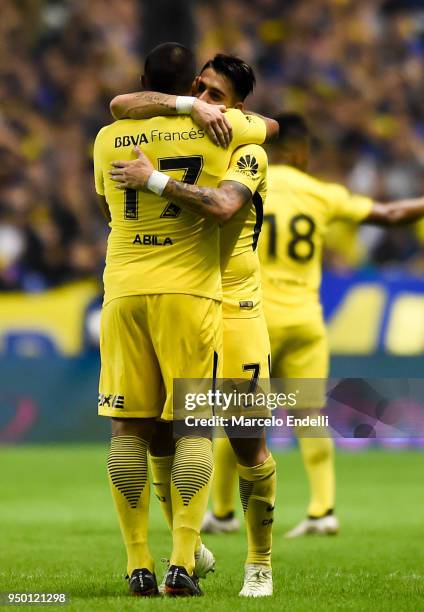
[221, 203]
[147, 104]
[143, 105]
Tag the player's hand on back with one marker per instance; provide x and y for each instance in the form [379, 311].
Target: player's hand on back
[211, 118]
[132, 174]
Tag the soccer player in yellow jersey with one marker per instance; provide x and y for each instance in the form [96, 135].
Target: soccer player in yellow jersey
[299, 210]
[162, 289]
[246, 344]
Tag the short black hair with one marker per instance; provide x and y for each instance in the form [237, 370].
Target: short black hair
[170, 68]
[236, 70]
[292, 128]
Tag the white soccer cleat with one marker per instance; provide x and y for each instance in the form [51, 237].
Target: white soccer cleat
[257, 581]
[204, 562]
[211, 524]
[326, 525]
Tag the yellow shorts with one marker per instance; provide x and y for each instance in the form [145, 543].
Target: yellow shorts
[300, 351]
[247, 357]
[246, 348]
[148, 340]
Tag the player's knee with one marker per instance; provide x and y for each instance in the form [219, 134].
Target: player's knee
[142, 428]
[162, 443]
[250, 451]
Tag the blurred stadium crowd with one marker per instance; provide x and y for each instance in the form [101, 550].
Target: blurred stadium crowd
[355, 68]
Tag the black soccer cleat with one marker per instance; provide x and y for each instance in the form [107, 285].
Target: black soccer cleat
[179, 584]
[143, 583]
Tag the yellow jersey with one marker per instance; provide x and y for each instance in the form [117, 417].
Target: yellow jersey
[299, 211]
[240, 268]
[155, 246]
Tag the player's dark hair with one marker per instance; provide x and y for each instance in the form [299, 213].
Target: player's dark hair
[170, 68]
[236, 70]
[292, 128]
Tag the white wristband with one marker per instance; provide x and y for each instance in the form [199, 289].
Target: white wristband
[157, 182]
[184, 104]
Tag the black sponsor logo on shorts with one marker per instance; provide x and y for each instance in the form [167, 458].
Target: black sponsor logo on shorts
[111, 401]
[246, 304]
[248, 165]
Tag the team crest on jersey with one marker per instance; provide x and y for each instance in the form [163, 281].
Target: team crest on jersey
[171, 210]
[110, 401]
[248, 165]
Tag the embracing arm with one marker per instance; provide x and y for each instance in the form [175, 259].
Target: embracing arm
[221, 203]
[147, 104]
[143, 105]
[399, 212]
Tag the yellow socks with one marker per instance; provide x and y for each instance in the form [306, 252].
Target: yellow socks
[225, 477]
[318, 459]
[190, 486]
[257, 493]
[129, 484]
[161, 474]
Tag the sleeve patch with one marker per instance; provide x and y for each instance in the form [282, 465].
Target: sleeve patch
[248, 165]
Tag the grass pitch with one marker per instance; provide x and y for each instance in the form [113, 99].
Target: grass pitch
[60, 534]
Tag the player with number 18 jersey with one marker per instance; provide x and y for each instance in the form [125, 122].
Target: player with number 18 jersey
[299, 210]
